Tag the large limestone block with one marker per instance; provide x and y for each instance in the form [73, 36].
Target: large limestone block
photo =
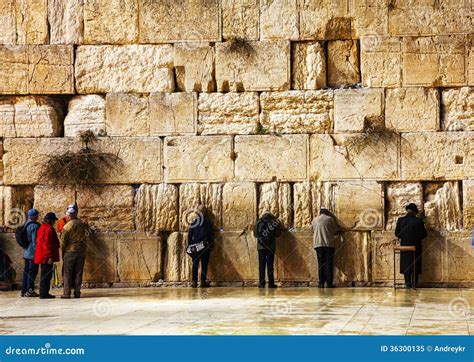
[228, 113]
[470, 59]
[234, 258]
[173, 113]
[324, 20]
[85, 113]
[302, 205]
[381, 61]
[30, 116]
[281, 12]
[138, 257]
[468, 204]
[275, 198]
[129, 68]
[297, 111]
[308, 65]
[459, 257]
[196, 158]
[13, 69]
[351, 261]
[430, 17]
[140, 158]
[156, 208]
[51, 198]
[9, 244]
[110, 22]
[8, 33]
[174, 21]
[412, 109]
[356, 156]
[458, 109]
[264, 158]
[443, 206]
[399, 195]
[177, 264]
[369, 17]
[359, 205]
[17, 201]
[434, 61]
[127, 114]
[194, 64]
[239, 205]
[355, 109]
[106, 208]
[343, 63]
[240, 19]
[66, 21]
[252, 65]
[101, 259]
[440, 155]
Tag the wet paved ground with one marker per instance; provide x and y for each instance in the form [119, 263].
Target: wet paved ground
[243, 311]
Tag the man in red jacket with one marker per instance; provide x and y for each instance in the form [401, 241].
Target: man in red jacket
[47, 252]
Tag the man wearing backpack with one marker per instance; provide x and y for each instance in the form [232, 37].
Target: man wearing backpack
[266, 230]
[26, 238]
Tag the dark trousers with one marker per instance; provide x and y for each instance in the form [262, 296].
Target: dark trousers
[29, 276]
[73, 268]
[265, 259]
[325, 264]
[204, 258]
[409, 279]
[45, 280]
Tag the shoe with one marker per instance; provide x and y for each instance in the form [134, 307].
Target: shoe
[32, 295]
[261, 285]
[331, 286]
[65, 297]
[77, 296]
[205, 285]
[47, 296]
[273, 286]
[22, 295]
[320, 285]
[194, 285]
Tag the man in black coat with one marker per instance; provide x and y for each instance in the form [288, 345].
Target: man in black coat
[266, 230]
[201, 237]
[411, 231]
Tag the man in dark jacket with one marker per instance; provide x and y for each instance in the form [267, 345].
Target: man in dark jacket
[31, 269]
[411, 231]
[266, 230]
[200, 243]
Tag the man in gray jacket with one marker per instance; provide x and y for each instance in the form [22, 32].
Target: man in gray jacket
[325, 229]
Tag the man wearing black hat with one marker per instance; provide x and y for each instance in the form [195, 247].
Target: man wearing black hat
[411, 231]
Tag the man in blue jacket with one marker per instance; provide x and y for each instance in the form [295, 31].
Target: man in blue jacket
[31, 269]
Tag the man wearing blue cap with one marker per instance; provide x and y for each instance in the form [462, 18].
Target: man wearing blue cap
[31, 269]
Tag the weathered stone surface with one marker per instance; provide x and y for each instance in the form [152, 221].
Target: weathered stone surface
[286, 161]
[172, 113]
[343, 62]
[324, 20]
[13, 70]
[101, 265]
[399, 195]
[451, 156]
[127, 115]
[369, 17]
[253, 65]
[443, 206]
[171, 21]
[351, 262]
[281, 12]
[359, 205]
[194, 64]
[24, 22]
[239, 205]
[458, 109]
[85, 113]
[106, 208]
[297, 111]
[430, 17]
[345, 156]
[302, 205]
[468, 204]
[355, 109]
[228, 113]
[110, 22]
[233, 258]
[129, 68]
[308, 65]
[240, 19]
[156, 208]
[193, 158]
[16, 203]
[275, 198]
[147, 151]
[177, 264]
[470, 59]
[381, 61]
[49, 198]
[459, 257]
[412, 109]
[30, 116]
[434, 61]
[66, 21]
[138, 257]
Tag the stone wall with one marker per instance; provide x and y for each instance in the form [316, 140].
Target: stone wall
[249, 105]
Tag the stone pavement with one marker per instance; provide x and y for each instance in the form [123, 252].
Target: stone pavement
[186, 311]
